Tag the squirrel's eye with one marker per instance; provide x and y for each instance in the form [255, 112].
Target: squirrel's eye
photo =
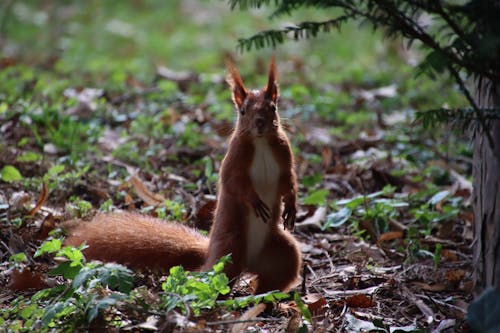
[273, 108]
[242, 110]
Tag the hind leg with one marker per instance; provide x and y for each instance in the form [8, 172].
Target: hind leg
[221, 247]
[279, 264]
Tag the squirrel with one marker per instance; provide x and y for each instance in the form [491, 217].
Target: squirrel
[257, 189]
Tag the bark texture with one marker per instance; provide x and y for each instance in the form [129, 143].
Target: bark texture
[486, 175]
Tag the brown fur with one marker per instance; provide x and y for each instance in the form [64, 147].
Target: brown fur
[139, 241]
[278, 264]
[274, 253]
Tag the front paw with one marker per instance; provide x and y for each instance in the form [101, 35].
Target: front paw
[261, 210]
[289, 214]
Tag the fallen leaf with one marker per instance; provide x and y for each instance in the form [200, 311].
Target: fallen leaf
[151, 324]
[391, 235]
[359, 301]
[47, 226]
[150, 198]
[316, 303]
[129, 201]
[314, 221]
[326, 157]
[26, 279]
[455, 275]
[449, 255]
[357, 325]
[429, 287]
[336, 219]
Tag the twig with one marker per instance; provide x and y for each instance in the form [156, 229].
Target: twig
[420, 304]
[330, 261]
[238, 321]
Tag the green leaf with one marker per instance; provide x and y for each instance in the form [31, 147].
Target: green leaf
[49, 246]
[3, 107]
[114, 276]
[335, 220]
[29, 156]
[18, 257]
[302, 307]
[55, 170]
[437, 254]
[103, 304]
[51, 312]
[9, 173]
[73, 254]
[352, 204]
[28, 311]
[312, 180]
[317, 198]
[67, 270]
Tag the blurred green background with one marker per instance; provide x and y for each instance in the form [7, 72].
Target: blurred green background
[51, 46]
[109, 38]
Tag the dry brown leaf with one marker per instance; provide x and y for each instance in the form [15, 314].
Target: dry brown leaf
[26, 279]
[47, 226]
[316, 303]
[326, 157]
[429, 287]
[391, 235]
[129, 201]
[455, 275]
[359, 301]
[150, 198]
[44, 194]
[449, 255]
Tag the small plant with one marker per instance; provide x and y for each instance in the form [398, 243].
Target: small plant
[190, 136]
[195, 291]
[90, 288]
[373, 208]
[10, 173]
[79, 207]
[172, 210]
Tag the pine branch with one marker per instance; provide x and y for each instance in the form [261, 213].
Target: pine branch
[464, 116]
[246, 4]
[300, 31]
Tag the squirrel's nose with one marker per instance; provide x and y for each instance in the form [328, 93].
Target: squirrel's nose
[259, 123]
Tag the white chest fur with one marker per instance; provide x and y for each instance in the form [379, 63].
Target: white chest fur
[264, 173]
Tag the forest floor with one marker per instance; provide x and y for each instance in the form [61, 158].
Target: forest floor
[384, 220]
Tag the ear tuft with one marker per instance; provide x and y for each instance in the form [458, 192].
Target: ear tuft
[239, 92]
[272, 90]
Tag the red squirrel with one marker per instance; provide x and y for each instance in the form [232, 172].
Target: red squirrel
[257, 189]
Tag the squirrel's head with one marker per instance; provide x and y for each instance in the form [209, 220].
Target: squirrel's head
[257, 109]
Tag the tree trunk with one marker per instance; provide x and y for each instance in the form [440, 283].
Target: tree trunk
[486, 198]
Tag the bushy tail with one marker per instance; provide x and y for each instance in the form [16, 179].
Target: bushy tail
[139, 241]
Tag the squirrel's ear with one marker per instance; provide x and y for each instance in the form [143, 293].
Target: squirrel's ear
[239, 92]
[272, 91]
